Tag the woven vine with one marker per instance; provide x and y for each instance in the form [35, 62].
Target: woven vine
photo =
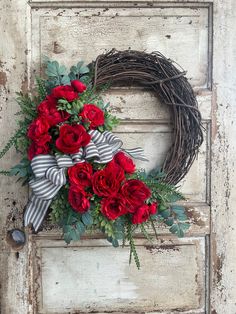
[156, 72]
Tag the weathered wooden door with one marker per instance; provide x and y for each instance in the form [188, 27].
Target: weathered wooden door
[196, 274]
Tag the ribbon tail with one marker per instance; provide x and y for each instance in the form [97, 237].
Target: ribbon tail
[137, 153]
[35, 212]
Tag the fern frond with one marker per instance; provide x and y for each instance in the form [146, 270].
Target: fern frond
[41, 88]
[5, 173]
[133, 251]
[145, 233]
[12, 141]
[28, 107]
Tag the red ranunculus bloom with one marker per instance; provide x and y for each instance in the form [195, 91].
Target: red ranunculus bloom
[81, 174]
[35, 150]
[78, 86]
[153, 208]
[72, 138]
[125, 162]
[78, 199]
[48, 110]
[107, 182]
[135, 193]
[143, 213]
[64, 91]
[93, 115]
[113, 207]
[38, 131]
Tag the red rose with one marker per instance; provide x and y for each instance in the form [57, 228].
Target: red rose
[78, 86]
[153, 208]
[64, 91]
[81, 174]
[35, 150]
[78, 200]
[72, 138]
[48, 110]
[113, 207]
[93, 115]
[107, 182]
[38, 131]
[135, 193]
[143, 213]
[125, 162]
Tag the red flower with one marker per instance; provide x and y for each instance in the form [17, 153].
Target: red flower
[135, 193]
[153, 208]
[48, 110]
[93, 115]
[81, 174]
[35, 150]
[78, 200]
[125, 162]
[113, 207]
[143, 213]
[72, 138]
[78, 86]
[107, 182]
[64, 91]
[38, 131]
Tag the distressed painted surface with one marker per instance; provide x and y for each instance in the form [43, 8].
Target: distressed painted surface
[116, 286]
[223, 160]
[182, 31]
[157, 29]
[13, 77]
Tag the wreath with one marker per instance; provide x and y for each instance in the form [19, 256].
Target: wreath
[81, 175]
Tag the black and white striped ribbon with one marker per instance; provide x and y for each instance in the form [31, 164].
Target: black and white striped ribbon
[49, 171]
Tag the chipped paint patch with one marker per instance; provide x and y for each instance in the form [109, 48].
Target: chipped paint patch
[3, 78]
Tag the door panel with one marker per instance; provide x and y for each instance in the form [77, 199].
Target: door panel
[98, 278]
[180, 33]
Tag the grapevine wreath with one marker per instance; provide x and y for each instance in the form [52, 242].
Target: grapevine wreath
[81, 175]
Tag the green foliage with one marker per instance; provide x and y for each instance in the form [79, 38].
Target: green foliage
[22, 170]
[133, 251]
[27, 107]
[145, 232]
[57, 74]
[5, 173]
[79, 72]
[41, 89]
[11, 142]
[114, 230]
[73, 224]
[110, 121]
[173, 216]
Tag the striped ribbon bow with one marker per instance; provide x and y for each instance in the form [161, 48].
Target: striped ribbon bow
[50, 171]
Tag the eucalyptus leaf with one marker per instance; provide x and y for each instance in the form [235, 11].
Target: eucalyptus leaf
[115, 243]
[65, 80]
[67, 237]
[165, 213]
[83, 70]
[87, 218]
[80, 226]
